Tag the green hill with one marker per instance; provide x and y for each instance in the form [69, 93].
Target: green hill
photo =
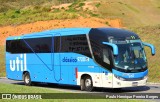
[132, 12]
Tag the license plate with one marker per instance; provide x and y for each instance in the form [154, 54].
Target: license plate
[135, 84]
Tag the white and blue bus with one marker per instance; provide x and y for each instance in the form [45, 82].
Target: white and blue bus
[87, 57]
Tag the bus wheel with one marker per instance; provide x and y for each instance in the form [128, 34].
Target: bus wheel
[27, 79]
[88, 84]
[82, 84]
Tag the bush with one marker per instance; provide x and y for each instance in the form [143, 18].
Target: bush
[97, 5]
[37, 7]
[81, 4]
[3, 9]
[46, 9]
[18, 11]
[13, 16]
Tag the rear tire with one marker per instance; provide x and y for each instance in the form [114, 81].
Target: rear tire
[86, 84]
[27, 79]
[82, 85]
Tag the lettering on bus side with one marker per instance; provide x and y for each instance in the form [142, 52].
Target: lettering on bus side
[19, 64]
[76, 59]
[83, 59]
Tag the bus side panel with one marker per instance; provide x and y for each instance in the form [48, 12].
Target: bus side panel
[39, 68]
[39, 73]
[106, 78]
[68, 75]
[72, 75]
[17, 75]
[13, 69]
[42, 70]
[76, 65]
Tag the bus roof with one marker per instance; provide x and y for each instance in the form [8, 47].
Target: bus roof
[62, 32]
[75, 31]
[116, 32]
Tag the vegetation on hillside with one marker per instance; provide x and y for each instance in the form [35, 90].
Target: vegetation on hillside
[133, 13]
[2, 62]
[15, 12]
[31, 12]
[20, 4]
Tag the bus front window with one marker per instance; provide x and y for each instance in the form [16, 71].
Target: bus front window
[131, 56]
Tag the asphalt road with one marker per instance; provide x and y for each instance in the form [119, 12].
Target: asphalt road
[150, 88]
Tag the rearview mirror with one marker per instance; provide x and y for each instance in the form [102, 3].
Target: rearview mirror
[153, 51]
[114, 46]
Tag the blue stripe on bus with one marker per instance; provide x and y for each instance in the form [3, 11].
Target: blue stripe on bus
[130, 75]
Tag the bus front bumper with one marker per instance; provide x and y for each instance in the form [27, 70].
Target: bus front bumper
[117, 83]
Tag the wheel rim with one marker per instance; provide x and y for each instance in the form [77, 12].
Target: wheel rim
[27, 79]
[88, 82]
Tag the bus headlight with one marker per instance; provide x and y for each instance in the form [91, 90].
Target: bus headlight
[120, 78]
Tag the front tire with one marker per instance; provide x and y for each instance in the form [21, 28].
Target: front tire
[27, 79]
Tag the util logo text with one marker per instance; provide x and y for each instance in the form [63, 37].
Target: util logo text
[19, 64]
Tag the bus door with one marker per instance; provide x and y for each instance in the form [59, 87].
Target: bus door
[106, 75]
[56, 57]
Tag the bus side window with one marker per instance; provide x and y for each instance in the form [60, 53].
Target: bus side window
[57, 44]
[106, 56]
[76, 44]
[39, 45]
[9, 46]
[16, 46]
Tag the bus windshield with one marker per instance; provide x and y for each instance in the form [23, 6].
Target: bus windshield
[131, 55]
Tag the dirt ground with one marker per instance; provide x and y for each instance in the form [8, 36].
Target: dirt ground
[54, 24]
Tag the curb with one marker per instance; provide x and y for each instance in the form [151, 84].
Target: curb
[152, 83]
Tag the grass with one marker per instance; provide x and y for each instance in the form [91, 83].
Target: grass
[17, 17]
[81, 4]
[132, 12]
[33, 12]
[132, 8]
[20, 4]
[41, 12]
[98, 5]
[12, 88]
[2, 62]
